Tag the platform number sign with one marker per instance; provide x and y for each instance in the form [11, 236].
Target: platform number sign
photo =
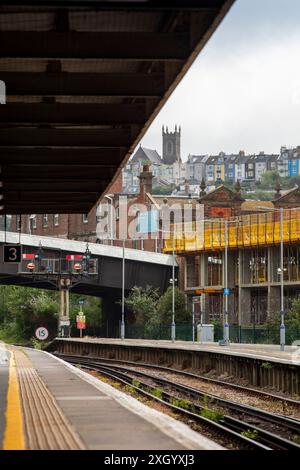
[12, 253]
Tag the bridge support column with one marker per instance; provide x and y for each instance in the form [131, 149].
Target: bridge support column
[112, 313]
[64, 315]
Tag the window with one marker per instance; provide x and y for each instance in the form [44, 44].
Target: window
[258, 266]
[33, 221]
[192, 267]
[56, 220]
[215, 270]
[45, 220]
[18, 223]
[85, 218]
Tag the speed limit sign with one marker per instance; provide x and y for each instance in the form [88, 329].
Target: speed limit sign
[41, 333]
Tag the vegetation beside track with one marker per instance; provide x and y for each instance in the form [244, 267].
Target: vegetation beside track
[23, 309]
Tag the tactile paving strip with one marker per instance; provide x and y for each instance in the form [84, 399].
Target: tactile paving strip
[45, 424]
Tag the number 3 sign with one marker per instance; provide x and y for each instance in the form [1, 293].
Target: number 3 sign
[12, 253]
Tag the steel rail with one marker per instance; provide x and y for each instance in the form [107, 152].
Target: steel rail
[240, 388]
[266, 439]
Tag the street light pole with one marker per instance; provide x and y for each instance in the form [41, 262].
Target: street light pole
[193, 320]
[282, 324]
[226, 324]
[111, 222]
[173, 326]
[123, 293]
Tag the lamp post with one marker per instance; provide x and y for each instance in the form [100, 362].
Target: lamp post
[123, 293]
[226, 324]
[195, 300]
[173, 326]
[111, 230]
[282, 324]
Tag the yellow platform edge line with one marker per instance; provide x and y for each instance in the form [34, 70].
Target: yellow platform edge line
[14, 430]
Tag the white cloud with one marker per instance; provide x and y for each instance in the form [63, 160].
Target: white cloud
[237, 96]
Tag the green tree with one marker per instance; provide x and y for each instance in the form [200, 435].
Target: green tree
[22, 309]
[261, 195]
[92, 309]
[292, 318]
[164, 190]
[294, 181]
[269, 179]
[142, 303]
[164, 307]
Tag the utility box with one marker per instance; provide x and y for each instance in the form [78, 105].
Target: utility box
[205, 333]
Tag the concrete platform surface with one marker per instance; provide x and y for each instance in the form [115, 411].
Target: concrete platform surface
[4, 370]
[291, 355]
[101, 416]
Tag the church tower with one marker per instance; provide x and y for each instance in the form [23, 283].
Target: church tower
[171, 145]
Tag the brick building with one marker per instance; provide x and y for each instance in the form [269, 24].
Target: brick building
[80, 227]
[253, 256]
[85, 227]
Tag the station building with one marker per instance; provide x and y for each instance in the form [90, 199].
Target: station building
[253, 238]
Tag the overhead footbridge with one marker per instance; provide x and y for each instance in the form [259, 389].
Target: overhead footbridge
[84, 80]
[45, 260]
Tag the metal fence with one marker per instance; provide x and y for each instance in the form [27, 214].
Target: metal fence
[237, 334]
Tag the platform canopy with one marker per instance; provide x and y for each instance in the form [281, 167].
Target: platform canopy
[84, 80]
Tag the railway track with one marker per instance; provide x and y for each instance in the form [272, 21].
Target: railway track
[235, 429]
[239, 388]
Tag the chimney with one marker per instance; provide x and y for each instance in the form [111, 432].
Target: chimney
[277, 190]
[186, 187]
[146, 178]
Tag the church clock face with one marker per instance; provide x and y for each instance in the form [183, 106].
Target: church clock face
[170, 148]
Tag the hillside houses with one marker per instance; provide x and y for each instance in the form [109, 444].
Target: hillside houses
[170, 170]
[234, 167]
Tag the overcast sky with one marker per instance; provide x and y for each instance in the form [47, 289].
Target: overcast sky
[243, 91]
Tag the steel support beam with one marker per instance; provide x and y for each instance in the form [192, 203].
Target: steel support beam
[57, 155]
[41, 196]
[50, 186]
[65, 137]
[108, 5]
[57, 172]
[84, 84]
[75, 113]
[94, 45]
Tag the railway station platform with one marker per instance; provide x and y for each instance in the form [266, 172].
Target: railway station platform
[260, 351]
[48, 404]
[257, 365]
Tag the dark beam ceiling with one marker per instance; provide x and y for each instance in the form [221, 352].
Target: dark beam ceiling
[84, 81]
